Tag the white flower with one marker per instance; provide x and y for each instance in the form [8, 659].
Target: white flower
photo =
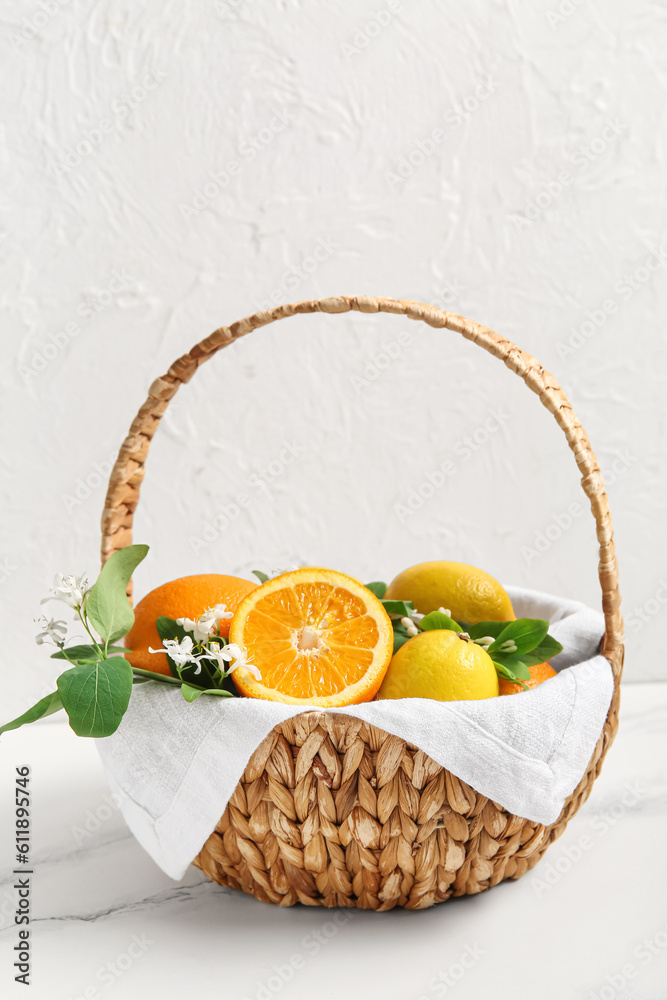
[485, 641]
[222, 612]
[509, 646]
[224, 654]
[416, 616]
[207, 623]
[445, 611]
[409, 626]
[51, 629]
[180, 652]
[71, 590]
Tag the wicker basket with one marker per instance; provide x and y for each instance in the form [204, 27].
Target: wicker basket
[330, 810]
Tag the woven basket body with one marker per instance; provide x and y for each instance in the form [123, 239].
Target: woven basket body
[330, 810]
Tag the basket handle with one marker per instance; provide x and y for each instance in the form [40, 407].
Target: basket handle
[128, 472]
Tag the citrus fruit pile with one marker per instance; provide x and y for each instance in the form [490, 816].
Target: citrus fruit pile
[440, 630]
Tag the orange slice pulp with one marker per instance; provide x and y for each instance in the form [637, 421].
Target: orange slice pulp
[317, 636]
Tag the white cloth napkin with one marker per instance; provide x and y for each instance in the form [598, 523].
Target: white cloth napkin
[175, 765]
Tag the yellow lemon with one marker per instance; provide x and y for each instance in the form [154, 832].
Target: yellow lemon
[439, 664]
[469, 594]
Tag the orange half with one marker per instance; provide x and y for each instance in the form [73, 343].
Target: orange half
[318, 637]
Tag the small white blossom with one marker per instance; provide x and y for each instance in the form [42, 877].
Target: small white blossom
[416, 617]
[509, 646]
[207, 623]
[445, 611]
[224, 654]
[409, 626]
[485, 641]
[51, 629]
[222, 612]
[71, 590]
[180, 652]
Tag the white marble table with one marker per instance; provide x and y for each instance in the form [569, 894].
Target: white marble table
[589, 921]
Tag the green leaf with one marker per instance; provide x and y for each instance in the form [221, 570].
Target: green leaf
[85, 652]
[107, 606]
[400, 608]
[190, 693]
[95, 696]
[168, 628]
[436, 619]
[377, 588]
[508, 675]
[547, 648]
[207, 675]
[151, 675]
[262, 577]
[400, 637]
[220, 692]
[514, 666]
[527, 633]
[47, 706]
[484, 628]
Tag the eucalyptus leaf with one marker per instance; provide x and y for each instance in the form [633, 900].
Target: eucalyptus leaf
[46, 706]
[526, 633]
[436, 619]
[262, 577]
[107, 606]
[190, 693]
[85, 652]
[377, 588]
[96, 696]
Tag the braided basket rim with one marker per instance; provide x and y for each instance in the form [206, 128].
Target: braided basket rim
[334, 812]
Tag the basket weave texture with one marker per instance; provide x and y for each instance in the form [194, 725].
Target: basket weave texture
[330, 810]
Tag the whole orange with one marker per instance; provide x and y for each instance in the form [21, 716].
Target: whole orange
[187, 597]
[540, 672]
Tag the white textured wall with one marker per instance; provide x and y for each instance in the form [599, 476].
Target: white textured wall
[537, 205]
